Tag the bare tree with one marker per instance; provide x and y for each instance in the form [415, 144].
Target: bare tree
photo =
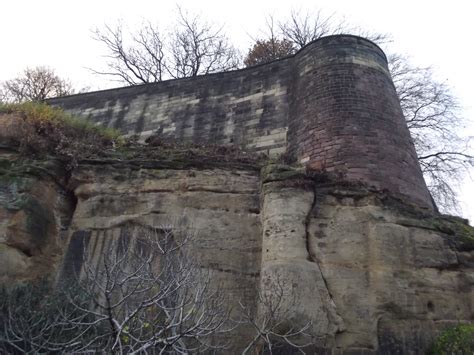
[283, 38]
[35, 84]
[270, 48]
[3, 94]
[271, 326]
[193, 47]
[29, 320]
[198, 47]
[434, 118]
[146, 294]
[302, 28]
[150, 294]
[143, 62]
[431, 110]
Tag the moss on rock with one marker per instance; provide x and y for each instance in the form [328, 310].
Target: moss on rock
[280, 172]
[37, 223]
[456, 230]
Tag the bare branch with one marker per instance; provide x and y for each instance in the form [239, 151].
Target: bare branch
[35, 84]
[145, 294]
[142, 61]
[304, 27]
[193, 47]
[433, 117]
[198, 47]
[272, 326]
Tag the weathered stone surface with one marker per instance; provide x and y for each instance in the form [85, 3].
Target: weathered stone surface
[394, 286]
[219, 207]
[286, 258]
[370, 274]
[332, 106]
[368, 264]
[35, 209]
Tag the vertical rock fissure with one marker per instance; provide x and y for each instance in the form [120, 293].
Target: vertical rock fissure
[336, 318]
[307, 222]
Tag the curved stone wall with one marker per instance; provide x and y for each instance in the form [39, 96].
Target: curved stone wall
[346, 117]
[331, 106]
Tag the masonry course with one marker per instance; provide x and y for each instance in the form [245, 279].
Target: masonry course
[332, 106]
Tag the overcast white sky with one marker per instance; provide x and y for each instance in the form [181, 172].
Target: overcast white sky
[58, 34]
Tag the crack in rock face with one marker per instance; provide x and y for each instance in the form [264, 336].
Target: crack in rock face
[286, 258]
[366, 272]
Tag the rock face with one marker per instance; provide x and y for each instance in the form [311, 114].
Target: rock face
[369, 272]
[35, 211]
[395, 280]
[219, 207]
[287, 257]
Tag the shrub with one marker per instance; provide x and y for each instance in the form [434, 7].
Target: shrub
[455, 340]
[49, 130]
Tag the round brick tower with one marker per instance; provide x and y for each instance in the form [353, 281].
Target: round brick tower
[345, 116]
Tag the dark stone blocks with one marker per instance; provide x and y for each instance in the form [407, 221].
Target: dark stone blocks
[332, 105]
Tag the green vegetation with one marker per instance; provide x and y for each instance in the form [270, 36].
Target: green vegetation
[455, 340]
[279, 172]
[48, 130]
[20, 170]
[459, 228]
[456, 229]
[45, 114]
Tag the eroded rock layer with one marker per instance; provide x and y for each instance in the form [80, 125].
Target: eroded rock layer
[367, 271]
[219, 207]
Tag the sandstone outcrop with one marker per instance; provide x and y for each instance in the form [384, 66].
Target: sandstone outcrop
[370, 272]
[377, 275]
[35, 210]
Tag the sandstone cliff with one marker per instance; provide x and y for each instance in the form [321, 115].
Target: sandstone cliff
[372, 273]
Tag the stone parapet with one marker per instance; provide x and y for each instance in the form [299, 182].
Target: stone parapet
[332, 106]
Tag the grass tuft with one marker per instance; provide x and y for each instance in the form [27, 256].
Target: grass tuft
[50, 130]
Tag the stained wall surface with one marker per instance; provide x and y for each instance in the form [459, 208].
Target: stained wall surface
[331, 106]
[369, 273]
[369, 276]
[346, 117]
[245, 108]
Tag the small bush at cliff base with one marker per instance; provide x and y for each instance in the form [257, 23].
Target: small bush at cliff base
[49, 130]
[455, 340]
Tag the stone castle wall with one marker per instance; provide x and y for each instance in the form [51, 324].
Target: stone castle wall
[246, 108]
[332, 106]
